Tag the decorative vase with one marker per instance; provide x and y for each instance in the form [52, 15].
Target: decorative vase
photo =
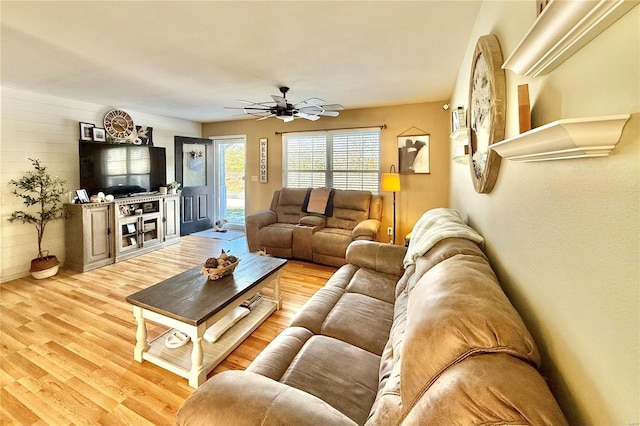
[172, 190]
[44, 267]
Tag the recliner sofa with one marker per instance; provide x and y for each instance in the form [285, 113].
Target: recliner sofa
[399, 336]
[285, 230]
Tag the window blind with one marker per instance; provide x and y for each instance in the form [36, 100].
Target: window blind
[347, 159]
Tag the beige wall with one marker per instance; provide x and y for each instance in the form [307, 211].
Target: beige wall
[419, 192]
[563, 236]
[46, 127]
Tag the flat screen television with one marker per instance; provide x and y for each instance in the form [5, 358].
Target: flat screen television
[121, 170]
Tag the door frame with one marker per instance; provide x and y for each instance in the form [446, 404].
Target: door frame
[216, 176]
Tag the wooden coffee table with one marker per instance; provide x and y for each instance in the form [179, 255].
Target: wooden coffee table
[190, 303]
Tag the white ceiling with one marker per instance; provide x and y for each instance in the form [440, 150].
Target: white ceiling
[191, 59]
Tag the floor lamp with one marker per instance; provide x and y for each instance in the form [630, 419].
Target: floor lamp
[391, 183]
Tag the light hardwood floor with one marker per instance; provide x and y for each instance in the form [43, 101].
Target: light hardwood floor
[66, 354]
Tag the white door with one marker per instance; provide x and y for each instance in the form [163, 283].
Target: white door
[229, 180]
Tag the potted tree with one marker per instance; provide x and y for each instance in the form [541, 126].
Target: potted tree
[38, 189]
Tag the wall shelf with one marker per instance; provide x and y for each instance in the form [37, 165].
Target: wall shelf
[565, 139]
[460, 139]
[562, 29]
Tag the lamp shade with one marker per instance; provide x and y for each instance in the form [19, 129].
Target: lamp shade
[390, 182]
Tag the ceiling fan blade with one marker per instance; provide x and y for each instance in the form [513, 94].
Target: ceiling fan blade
[311, 110]
[308, 116]
[330, 113]
[247, 109]
[265, 117]
[335, 107]
[285, 118]
[311, 101]
[280, 101]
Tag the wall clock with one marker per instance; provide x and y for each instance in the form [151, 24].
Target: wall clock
[118, 124]
[486, 119]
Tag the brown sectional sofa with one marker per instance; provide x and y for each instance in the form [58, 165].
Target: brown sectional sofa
[436, 344]
[286, 231]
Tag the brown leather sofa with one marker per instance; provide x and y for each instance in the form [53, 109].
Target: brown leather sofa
[436, 344]
[286, 231]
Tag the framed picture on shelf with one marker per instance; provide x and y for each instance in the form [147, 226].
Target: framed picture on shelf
[124, 210]
[413, 154]
[131, 228]
[82, 195]
[86, 131]
[99, 134]
[458, 119]
[145, 134]
[132, 241]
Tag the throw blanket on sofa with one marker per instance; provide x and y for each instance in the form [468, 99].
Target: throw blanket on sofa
[436, 225]
[319, 200]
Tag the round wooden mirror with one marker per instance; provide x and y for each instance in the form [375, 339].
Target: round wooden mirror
[486, 119]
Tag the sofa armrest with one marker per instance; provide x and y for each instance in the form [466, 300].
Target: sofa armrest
[262, 218]
[380, 257]
[366, 230]
[318, 221]
[245, 398]
[254, 221]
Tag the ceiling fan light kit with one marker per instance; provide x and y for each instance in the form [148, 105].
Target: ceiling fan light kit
[310, 109]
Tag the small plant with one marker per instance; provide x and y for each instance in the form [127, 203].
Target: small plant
[173, 185]
[38, 188]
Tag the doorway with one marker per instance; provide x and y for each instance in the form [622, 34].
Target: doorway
[229, 196]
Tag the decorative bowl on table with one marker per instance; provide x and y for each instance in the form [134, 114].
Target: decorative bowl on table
[217, 267]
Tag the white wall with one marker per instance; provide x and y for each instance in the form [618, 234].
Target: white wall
[563, 236]
[45, 127]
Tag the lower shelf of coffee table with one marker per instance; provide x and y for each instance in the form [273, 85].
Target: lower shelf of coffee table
[178, 360]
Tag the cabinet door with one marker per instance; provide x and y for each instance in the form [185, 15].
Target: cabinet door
[150, 230]
[171, 218]
[128, 229]
[97, 234]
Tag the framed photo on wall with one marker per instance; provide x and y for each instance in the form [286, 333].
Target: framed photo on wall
[413, 154]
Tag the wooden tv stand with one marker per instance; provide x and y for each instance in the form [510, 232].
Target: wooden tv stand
[98, 234]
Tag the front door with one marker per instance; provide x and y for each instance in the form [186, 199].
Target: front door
[229, 176]
[194, 170]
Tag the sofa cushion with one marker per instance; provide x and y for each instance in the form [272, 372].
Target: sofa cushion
[345, 321]
[289, 208]
[457, 309]
[341, 374]
[373, 284]
[274, 360]
[352, 296]
[315, 310]
[276, 235]
[487, 389]
[332, 241]
[349, 208]
[241, 398]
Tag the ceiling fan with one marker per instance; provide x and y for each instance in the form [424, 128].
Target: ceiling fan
[311, 108]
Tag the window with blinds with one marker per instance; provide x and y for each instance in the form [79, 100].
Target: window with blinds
[341, 159]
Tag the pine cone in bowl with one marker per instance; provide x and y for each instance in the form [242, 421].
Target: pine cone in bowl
[211, 262]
